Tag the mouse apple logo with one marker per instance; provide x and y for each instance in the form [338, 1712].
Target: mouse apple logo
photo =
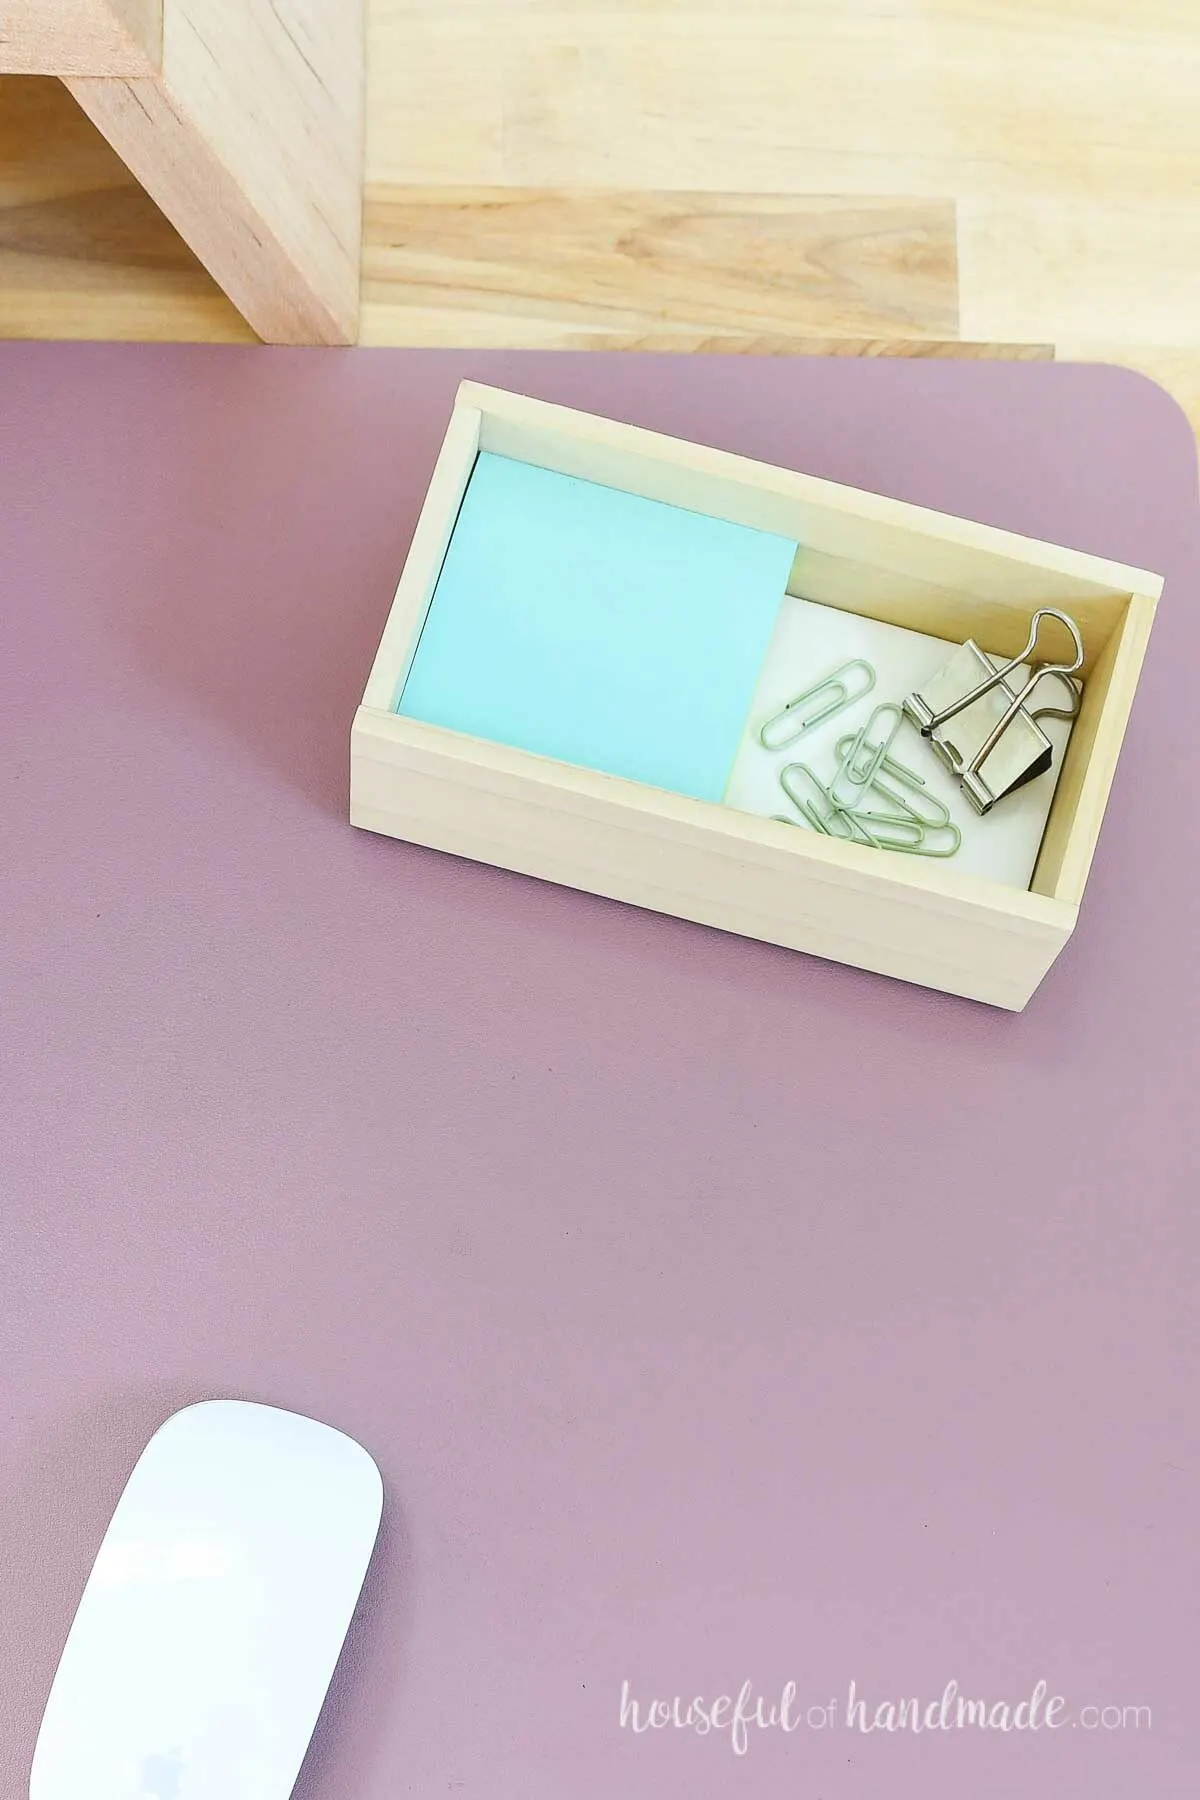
[161, 1776]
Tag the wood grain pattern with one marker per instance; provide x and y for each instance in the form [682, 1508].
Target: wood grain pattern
[1067, 138]
[250, 141]
[1078, 269]
[419, 328]
[709, 864]
[501, 261]
[84, 252]
[81, 37]
[1067, 135]
[1089, 100]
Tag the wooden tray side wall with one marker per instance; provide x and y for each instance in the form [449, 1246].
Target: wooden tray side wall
[244, 122]
[862, 552]
[1091, 760]
[680, 856]
[423, 564]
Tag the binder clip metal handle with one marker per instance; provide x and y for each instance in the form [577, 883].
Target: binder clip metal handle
[999, 675]
[991, 755]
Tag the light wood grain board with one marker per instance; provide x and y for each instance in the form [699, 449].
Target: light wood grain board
[84, 252]
[82, 37]
[529, 164]
[250, 138]
[1080, 99]
[1068, 136]
[625, 262]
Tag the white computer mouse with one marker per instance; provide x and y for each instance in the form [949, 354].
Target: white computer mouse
[214, 1614]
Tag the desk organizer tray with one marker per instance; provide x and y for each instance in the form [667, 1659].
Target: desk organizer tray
[596, 623]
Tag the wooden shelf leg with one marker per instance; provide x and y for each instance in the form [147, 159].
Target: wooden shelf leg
[243, 120]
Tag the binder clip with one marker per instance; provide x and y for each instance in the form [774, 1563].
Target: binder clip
[980, 724]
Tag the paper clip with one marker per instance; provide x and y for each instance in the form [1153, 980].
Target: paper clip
[819, 807]
[890, 831]
[841, 694]
[995, 743]
[889, 765]
[920, 826]
[936, 819]
[859, 766]
[879, 825]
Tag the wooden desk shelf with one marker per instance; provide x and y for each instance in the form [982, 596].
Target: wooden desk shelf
[243, 121]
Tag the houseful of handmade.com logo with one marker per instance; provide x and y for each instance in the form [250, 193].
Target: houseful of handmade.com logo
[737, 1717]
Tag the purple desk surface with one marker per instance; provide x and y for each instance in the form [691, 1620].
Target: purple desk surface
[715, 1314]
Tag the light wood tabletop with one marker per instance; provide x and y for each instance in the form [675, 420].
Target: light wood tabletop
[917, 177]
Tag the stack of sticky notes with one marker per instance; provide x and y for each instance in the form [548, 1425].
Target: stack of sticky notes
[597, 627]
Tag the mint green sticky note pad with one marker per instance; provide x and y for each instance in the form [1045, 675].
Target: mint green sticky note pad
[598, 627]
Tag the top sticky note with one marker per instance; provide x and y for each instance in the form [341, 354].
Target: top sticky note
[598, 627]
